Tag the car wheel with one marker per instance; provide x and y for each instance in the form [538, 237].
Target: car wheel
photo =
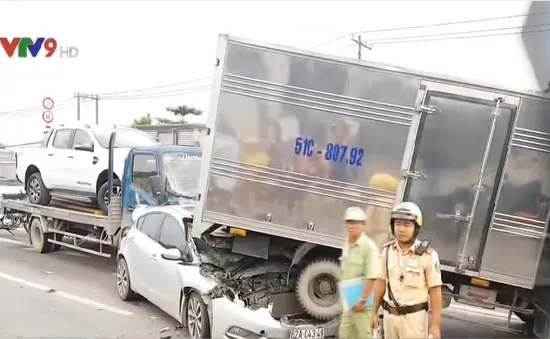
[317, 289]
[103, 194]
[37, 193]
[196, 317]
[123, 284]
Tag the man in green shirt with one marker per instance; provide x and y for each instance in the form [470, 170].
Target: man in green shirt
[359, 260]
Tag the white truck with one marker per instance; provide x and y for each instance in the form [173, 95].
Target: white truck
[73, 161]
[296, 137]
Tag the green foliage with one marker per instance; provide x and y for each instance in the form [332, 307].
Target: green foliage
[180, 112]
[145, 120]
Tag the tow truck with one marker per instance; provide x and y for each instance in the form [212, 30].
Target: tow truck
[74, 225]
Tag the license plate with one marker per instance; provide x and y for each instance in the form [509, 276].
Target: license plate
[313, 333]
[474, 294]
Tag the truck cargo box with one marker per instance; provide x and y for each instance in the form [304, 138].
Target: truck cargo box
[296, 137]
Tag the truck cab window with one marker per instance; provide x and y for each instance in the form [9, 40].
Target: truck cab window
[63, 138]
[171, 235]
[144, 166]
[81, 138]
[151, 225]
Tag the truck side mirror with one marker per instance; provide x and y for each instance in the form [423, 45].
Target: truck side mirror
[156, 184]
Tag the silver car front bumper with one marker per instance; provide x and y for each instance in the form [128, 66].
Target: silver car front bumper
[233, 321]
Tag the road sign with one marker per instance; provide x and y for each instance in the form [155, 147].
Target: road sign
[47, 116]
[47, 103]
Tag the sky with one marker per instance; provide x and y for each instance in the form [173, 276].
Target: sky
[132, 45]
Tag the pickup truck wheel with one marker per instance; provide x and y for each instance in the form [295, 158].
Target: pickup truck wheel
[103, 194]
[39, 239]
[317, 289]
[37, 192]
[197, 320]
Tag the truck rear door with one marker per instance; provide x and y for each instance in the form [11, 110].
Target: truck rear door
[460, 154]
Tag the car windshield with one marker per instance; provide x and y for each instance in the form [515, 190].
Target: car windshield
[125, 138]
[182, 172]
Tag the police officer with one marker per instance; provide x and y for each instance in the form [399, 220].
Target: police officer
[359, 260]
[409, 272]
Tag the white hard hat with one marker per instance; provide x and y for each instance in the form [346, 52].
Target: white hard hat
[407, 211]
[355, 214]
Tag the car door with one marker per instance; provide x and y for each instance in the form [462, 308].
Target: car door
[142, 247]
[58, 160]
[138, 190]
[163, 282]
[81, 168]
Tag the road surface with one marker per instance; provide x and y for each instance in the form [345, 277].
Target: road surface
[70, 295]
[73, 295]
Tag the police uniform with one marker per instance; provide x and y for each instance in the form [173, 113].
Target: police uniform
[358, 261]
[409, 276]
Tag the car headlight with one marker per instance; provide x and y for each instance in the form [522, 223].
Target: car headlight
[237, 333]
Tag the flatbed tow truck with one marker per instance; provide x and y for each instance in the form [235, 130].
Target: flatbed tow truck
[49, 227]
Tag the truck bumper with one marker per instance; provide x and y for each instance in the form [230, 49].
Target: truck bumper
[233, 321]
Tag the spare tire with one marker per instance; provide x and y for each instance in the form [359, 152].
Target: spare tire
[317, 289]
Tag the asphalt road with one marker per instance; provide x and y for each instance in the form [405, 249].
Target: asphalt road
[73, 295]
[70, 295]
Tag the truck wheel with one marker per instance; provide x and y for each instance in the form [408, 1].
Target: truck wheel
[317, 289]
[196, 320]
[103, 194]
[123, 284]
[37, 192]
[39, 239]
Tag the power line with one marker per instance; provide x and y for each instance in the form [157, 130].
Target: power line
[32, 112]
[190, 90]
[430, 26]
[32, 109]
[439, 37]
[156, 87]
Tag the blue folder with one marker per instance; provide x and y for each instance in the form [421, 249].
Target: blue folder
[351, 292]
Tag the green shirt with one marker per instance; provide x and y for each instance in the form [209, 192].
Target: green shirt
[360, 260]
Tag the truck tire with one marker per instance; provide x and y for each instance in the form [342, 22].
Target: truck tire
[37, 193]
[39, 239]
[317, 289]
[102, 194]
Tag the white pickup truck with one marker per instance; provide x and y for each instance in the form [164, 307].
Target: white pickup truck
[73, 161]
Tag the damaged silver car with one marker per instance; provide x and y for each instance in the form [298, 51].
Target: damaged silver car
[210, 290]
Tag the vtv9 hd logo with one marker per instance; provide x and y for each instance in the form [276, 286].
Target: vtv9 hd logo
[27, 46]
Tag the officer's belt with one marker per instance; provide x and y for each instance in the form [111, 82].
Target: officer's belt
[403, 310]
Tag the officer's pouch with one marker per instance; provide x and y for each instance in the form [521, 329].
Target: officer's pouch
[412, 277]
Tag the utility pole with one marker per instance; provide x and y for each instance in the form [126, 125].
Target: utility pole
[77, 96]
[360, 45]
[94, 97]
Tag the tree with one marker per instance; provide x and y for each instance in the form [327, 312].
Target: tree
[183, 110]
[145, 120]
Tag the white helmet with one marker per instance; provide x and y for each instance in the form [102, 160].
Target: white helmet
[407, 211]
[355, 214]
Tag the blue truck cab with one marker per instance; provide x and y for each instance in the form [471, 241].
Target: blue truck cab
[178, 168]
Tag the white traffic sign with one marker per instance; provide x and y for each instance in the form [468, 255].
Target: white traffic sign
[47, 116]
[47, 103]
